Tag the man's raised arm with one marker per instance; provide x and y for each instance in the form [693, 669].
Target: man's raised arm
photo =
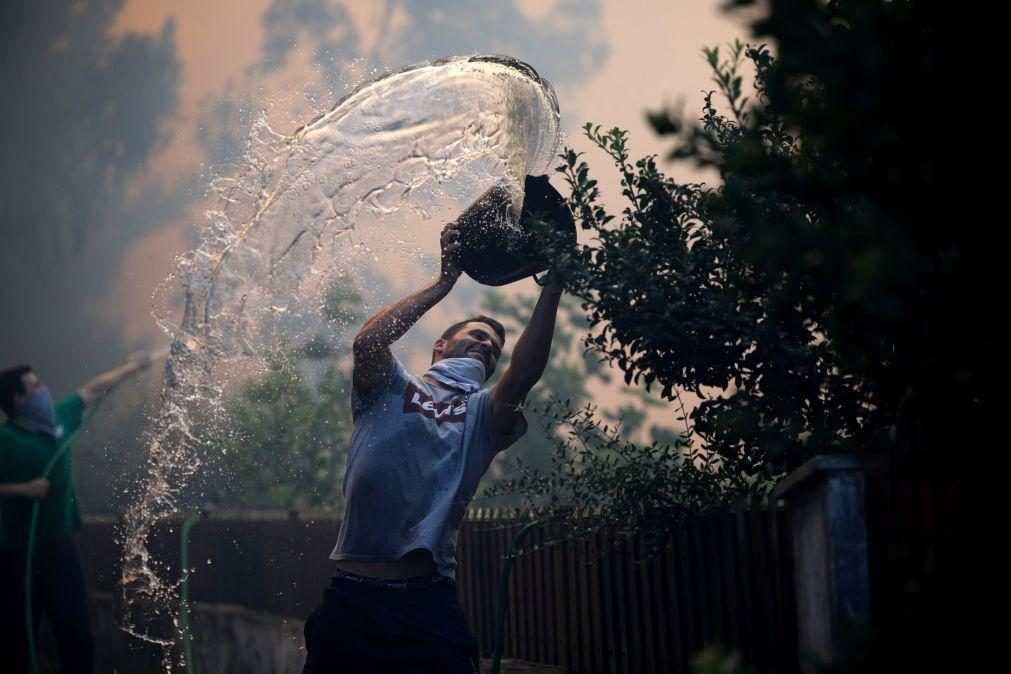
[100, 386]
[373, 358]
[530, 357]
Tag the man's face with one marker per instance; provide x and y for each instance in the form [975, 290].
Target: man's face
[473, 340]
[32, 385]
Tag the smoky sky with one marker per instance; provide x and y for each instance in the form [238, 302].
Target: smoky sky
[81, 113]
[566, 44]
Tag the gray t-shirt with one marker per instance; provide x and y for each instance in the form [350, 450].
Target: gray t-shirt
[416, 456]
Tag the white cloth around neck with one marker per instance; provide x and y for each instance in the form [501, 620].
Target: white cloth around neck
[464, 373]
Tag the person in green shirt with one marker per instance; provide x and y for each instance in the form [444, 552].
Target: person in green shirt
[35, 430]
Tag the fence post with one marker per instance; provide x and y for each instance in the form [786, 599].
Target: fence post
[828, 521]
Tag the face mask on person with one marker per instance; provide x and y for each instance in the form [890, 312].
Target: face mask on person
[463, 373]
[37, 412]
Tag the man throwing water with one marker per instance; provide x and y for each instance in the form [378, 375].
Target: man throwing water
[418, 451]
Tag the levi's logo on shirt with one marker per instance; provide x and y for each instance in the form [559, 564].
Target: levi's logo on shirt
[416, 400]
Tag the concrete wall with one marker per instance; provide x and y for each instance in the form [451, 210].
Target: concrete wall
[226, 640]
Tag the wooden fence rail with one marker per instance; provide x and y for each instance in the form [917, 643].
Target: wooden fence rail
[592, 606]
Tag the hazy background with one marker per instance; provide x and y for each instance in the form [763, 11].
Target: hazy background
[116, 114]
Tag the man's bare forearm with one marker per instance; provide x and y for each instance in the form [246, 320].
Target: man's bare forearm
[392, 322]
[533, 348]
[104, 383]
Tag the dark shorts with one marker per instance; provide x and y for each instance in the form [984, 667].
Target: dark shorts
[373, 625]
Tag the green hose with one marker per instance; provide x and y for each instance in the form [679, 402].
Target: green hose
[33, 524]
[184, 593]
[503, 594]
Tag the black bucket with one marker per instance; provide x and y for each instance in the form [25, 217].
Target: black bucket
[493, 250]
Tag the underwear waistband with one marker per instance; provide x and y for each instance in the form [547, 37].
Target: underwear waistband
[413, 583]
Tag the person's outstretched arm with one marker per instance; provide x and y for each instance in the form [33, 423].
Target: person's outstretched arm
[103, 384]
[373, 360]
[529, 358]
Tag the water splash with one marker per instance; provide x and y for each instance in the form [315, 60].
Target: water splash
[357, 184]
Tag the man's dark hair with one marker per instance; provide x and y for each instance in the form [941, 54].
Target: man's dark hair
[496, 326]
[11, 385]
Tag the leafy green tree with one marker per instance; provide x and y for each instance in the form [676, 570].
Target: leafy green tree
[852, 210]
[288, 440]
[285, 443]
[810, 300]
